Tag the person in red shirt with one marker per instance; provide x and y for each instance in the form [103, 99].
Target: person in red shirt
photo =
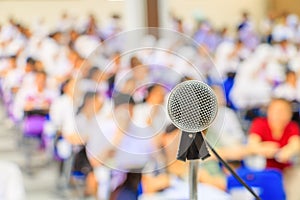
[275, 137]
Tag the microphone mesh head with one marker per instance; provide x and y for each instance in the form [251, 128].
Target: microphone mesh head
[192, 106]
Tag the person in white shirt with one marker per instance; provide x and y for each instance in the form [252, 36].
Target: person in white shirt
[96, 81]
[266, 26]
[139, 73]
[255, 79]
[284, 51]
[148, 120]
[289, 89]
[134, 151]
[11, 77]
[91, 118]
[9, 30]
[65, 23]
[86, 44]
[37, 97]
[152, 112]
[63, 109]
[11, 182]
[95, 128]
[114, 25]
[282, 30]
[229, 56]
[28, 75]
[246, 32]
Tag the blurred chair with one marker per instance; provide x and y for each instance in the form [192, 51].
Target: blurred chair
[267, 183]
[32, 141]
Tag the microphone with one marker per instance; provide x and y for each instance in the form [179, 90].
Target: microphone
[192, 107]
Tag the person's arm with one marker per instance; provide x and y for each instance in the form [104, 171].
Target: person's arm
[239, 151]
[253, 141]
[152, 184]
[29, 103]
[123, 120]
[257, 147]
[109, 152]
[288, 151]
[70, 132]
[217, 181]
[235, 152]
[75, 139]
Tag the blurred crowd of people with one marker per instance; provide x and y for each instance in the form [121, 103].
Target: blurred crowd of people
[91, 102]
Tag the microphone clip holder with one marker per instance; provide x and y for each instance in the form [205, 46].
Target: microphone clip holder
[192, 147]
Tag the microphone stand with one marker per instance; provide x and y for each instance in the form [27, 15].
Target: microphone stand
[193, 147]
[193, 176]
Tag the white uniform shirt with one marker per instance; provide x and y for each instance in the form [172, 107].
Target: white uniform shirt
[11, 182]
[286, 91]
[62, 114]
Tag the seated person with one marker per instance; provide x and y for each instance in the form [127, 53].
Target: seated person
[289, 88]
[84, 137]
[40, 97]
[94, 128]
[35, 99]
[62, 115]
[276, 138]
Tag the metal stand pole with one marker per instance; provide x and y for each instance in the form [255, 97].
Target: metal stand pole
[193, 176]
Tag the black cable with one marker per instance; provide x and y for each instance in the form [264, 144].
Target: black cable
[233, 172]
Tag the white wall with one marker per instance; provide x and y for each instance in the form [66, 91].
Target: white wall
[30, 10]
[220, 12]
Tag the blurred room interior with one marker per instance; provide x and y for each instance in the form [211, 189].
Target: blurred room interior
[84, 84]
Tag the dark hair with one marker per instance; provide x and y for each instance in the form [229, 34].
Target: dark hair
[13, 57]
[30, 61]
[120, 98]
[134, 62]
[116, 16]
[289, 71]
[53, 34]
[92, 71]
[63, 85]
[170, 128]
[185, 78]
[88, 95]
[150, 89]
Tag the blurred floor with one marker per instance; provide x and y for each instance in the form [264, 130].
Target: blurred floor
[42, 182]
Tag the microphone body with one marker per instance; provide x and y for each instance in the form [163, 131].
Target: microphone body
[192, 107]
